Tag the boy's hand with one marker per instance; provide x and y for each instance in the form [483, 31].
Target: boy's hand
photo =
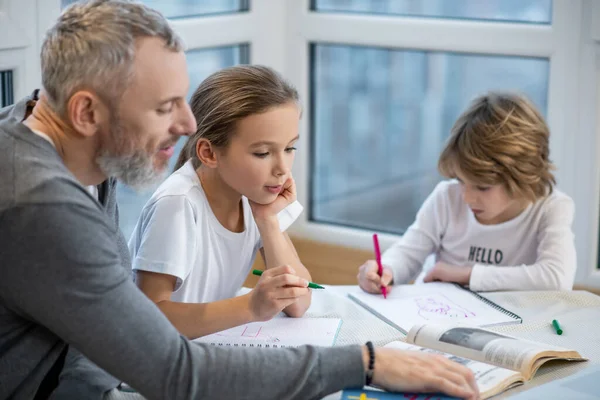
[287, 196]
[444, 272]
[412, 371]
[370, 281]
[276, 289]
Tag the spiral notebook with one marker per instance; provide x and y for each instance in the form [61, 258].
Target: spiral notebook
[407, 305]
[278, 332]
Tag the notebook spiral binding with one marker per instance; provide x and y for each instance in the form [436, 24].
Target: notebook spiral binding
[492, 304]
[258, 345]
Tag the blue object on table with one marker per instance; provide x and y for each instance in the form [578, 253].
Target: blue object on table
[353, 394]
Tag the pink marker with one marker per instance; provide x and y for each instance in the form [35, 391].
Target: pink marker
[379, 266]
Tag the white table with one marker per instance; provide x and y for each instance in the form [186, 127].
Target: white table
[577, 311]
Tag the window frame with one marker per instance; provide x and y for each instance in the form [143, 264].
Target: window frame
[585, 160]
[313, 7]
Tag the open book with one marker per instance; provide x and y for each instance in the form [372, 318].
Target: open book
[407, 305]
[278, 332]
[498, 361]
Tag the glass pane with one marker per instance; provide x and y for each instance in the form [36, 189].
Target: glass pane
[6, 88]
[532, 11]
[201, 63]
[380, 118]
[194, 8]
[190, 8]
[66, 3]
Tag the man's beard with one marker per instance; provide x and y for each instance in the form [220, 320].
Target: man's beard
[135, 168]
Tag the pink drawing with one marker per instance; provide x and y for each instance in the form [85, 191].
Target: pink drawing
[248, 332]
[437, 305]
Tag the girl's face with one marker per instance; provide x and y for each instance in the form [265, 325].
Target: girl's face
[259, 157]
[491, 204]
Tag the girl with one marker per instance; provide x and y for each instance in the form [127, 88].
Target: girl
[500, 224]
[231, 196]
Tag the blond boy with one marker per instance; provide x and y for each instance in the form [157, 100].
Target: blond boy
[499, 223]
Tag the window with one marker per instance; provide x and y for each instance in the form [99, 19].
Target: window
[187, 8]
[383, 81]
[201, 63]
[531, 11]
[380, 118]
[6, 88]
[204, 62]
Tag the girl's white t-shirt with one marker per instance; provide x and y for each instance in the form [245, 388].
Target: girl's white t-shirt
[178, 234]
[534, 251]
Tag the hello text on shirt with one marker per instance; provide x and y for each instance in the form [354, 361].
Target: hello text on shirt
[483, 255]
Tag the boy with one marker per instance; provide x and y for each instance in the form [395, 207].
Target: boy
[499, 224]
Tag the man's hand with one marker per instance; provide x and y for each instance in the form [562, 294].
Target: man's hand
[412, 371]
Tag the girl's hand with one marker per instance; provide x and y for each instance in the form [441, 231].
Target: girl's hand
[286, 197]
[444, 272]
[276, 289]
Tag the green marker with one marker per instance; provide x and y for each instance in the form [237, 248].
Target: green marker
[310, 284]
[557, 327]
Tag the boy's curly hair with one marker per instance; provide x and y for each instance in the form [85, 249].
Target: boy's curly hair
[501, 139]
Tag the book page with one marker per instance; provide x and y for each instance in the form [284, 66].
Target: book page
[482, 345]
[278, 332]
[491, 379]
[407, 305]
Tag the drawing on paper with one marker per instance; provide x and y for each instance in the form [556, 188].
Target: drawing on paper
[435, 306]
[248, 332]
